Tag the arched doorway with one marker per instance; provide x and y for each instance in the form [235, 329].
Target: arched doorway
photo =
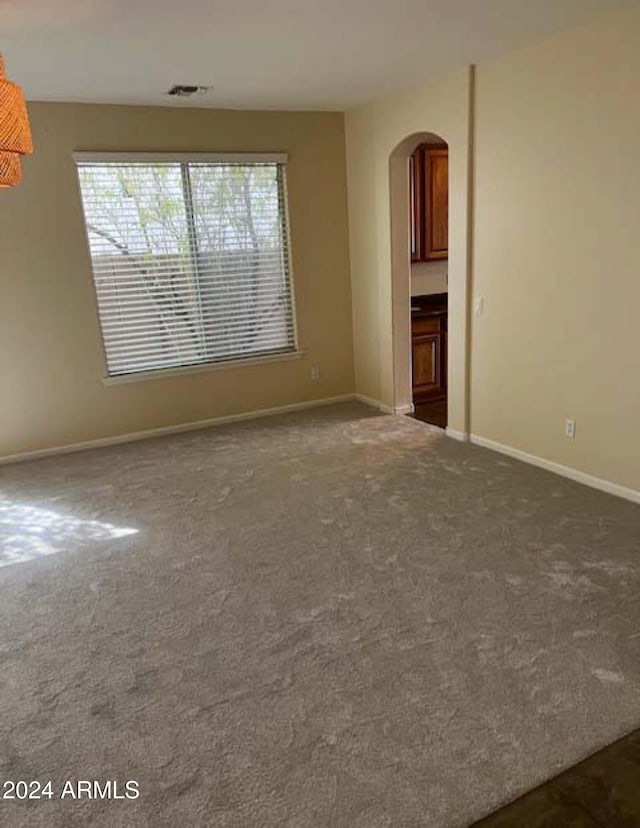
[434, 277]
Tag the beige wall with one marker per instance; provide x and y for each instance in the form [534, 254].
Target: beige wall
[554, 242]
[439, 107]
[557, 250]
[50, 351]
[429, 277]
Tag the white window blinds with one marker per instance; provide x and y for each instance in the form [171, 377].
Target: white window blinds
[190, 260]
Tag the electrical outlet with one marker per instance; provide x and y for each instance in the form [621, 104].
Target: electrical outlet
[315, 373]
[570, 428]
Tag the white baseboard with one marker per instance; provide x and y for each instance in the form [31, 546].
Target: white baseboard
[387, 409]
[462, 436]
[557, 468]
[101, 442]
[409, 408]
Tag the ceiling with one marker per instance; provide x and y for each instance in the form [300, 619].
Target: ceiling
[265, 54]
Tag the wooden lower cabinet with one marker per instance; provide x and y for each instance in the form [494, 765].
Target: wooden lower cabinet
[426, 352]
[429, 357]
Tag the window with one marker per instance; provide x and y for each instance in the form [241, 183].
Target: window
[190, 258]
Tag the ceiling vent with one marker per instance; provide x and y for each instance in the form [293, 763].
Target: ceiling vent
[186, 91]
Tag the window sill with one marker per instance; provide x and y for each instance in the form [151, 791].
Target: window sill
[164, 373]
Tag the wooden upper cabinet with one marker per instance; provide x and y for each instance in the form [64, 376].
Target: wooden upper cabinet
[429, 203]
[416, 202]
[436, 182]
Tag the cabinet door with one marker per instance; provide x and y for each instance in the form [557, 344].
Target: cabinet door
[445, 360]
[416, 205]
[436, 182]
[426, 365]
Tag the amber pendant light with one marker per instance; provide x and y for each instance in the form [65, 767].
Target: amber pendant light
[15, 133]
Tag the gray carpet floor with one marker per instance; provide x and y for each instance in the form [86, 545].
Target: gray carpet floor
[328, 618]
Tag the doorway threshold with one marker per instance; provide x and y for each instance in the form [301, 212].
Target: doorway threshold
[432, 412]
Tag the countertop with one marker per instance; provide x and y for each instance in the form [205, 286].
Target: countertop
[432, 304]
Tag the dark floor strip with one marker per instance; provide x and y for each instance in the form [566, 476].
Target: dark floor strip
[603, 791]
[432, 412]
